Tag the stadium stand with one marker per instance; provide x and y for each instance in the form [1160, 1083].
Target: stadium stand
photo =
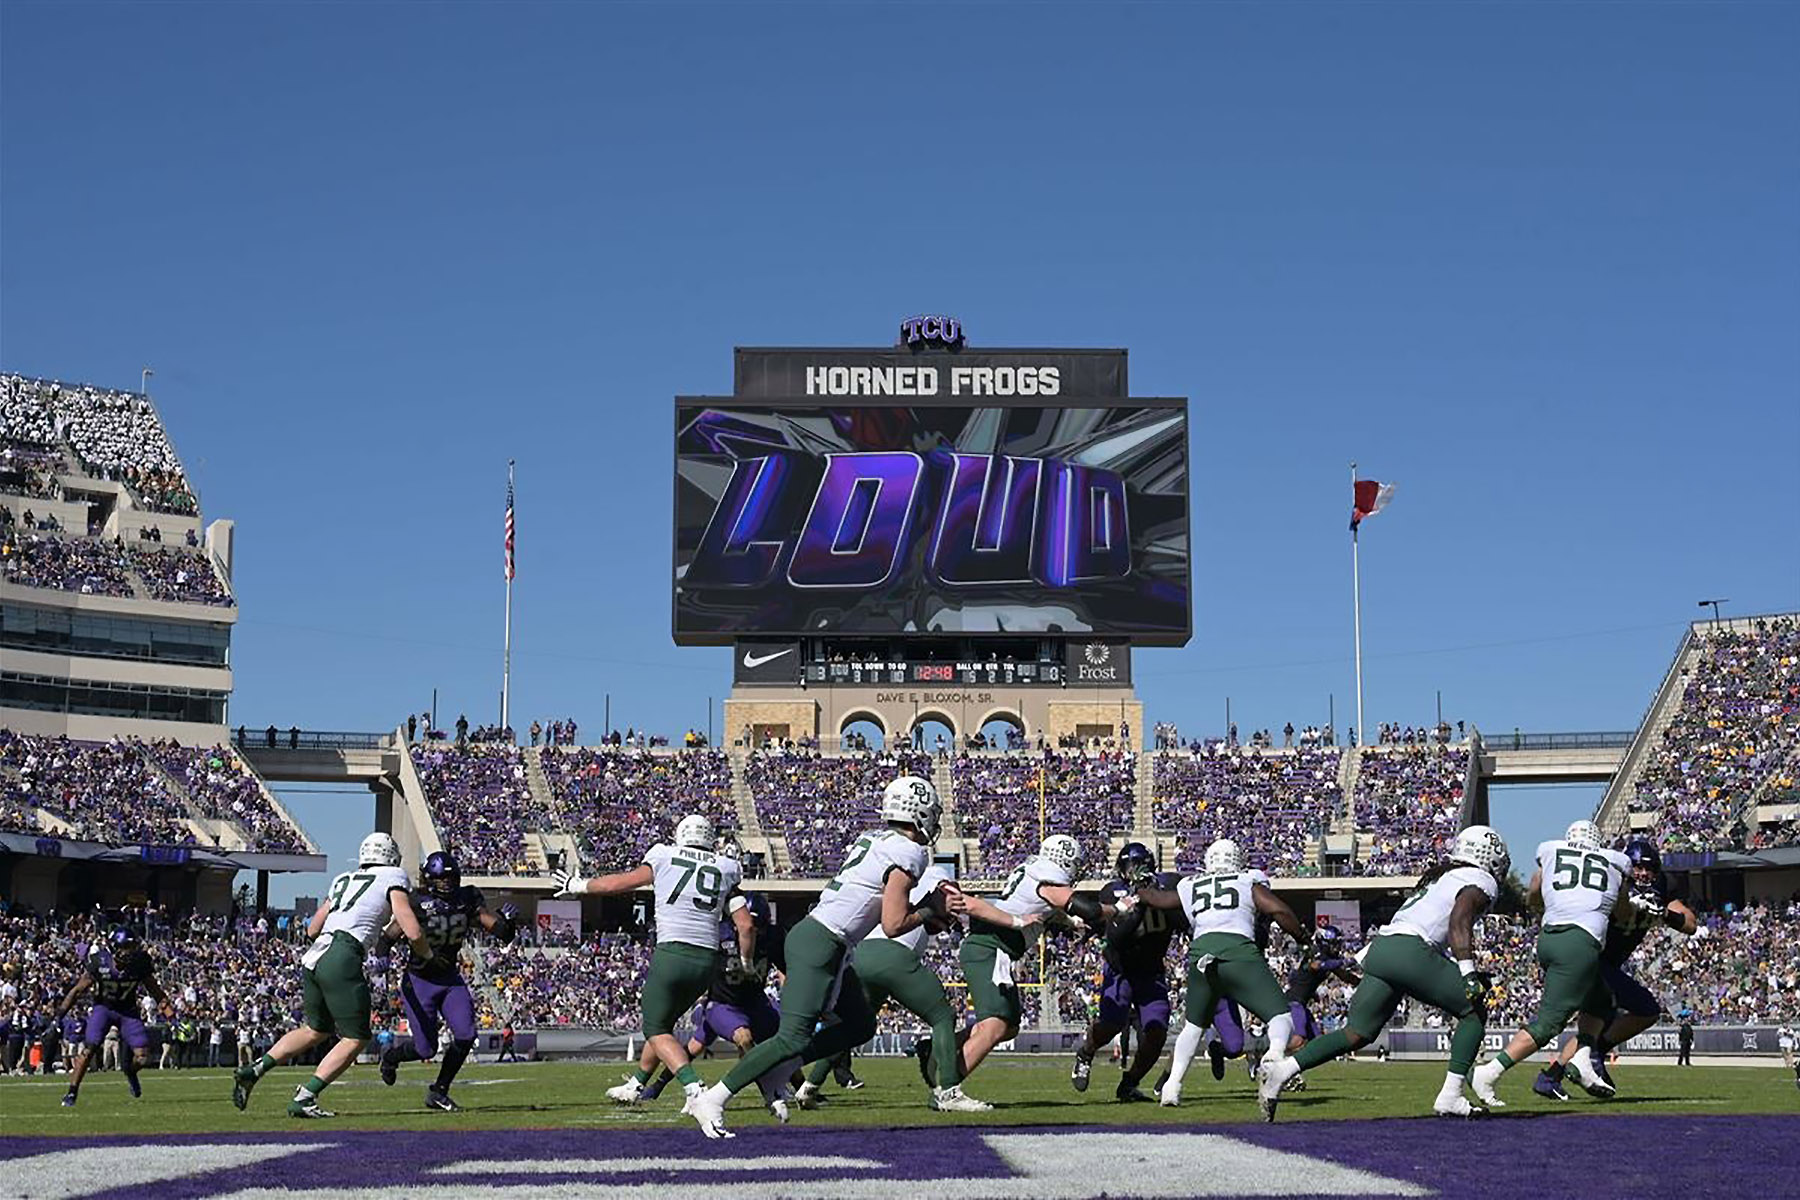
[1088, 795]
[124, 791]
[597, 984]
[1276, 804]
[106, 567]
[820, 805]
[1731, 743]
[618, 803]
[1407, 806]
[481, 803]
[115, 436]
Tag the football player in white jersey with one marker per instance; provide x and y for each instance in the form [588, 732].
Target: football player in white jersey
[872, 888]
[336, 995]
[1580, 881]
[1406, 958]
[1222, 903]
[694, 886]
[1037, 887]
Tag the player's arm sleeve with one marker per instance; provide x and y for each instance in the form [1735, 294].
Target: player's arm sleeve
[1088, 908]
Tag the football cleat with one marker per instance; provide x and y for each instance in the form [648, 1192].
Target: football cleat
[1604, 1074]
[922, 1052]
[68, 1100]
[1296, 1084]
[654, 1088]
[853, 1084]
[778, 1108]
[1271, 1079]
[629, 1092]
[242, 1080]
[309, 1109]
[390, 1071]
[1215, 1050]
[1079, 1073]
[951, 1099]
[1454, 1106]
[708, 1113]
[1169, 1094]
[1130, 1093]
[440, 1101]
[135, 1084]
[1482, 1080]
[808, 1097]
[1548, 1088]
[1591, 1081]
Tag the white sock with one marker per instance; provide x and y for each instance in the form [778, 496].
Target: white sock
[1453, 1084]
[1187, 1044]
[1281, 1032]
[718, 1093]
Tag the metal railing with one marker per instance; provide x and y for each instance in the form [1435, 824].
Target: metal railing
[1611, 740]
[252, 738]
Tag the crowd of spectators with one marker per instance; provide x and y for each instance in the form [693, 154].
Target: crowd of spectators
[35, 555]
[481, 803]
[96, 791]
[598, 983]
[1277, 805]
[1736, 730]
[618, 803]
[222, 786]
[27, 470]
[116, 435]
[1408, 805]
[1088, 795]
[822, 804]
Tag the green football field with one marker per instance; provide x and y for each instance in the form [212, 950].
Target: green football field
[1026, 1090]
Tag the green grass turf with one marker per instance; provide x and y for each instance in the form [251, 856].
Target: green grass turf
[1027, 1090]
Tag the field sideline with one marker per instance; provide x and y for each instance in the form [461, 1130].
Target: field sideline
[1027, 1091]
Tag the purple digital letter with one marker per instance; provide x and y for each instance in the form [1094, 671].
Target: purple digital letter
[984, 530]
[1082, 533]
[857, 528]
[742, 543]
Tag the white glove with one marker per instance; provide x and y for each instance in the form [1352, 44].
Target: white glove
[1126, 903]
[568, 883]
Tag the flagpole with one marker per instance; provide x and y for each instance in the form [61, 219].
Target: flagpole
[1356, 592]
[506, 653]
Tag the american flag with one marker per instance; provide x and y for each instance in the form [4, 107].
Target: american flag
[509, 523]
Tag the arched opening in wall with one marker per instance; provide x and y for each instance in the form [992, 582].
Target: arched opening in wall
[932, 730]
[1001, 730]
[861, 731]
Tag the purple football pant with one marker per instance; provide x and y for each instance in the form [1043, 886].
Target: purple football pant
[428, 1004]
[1304, 1025]
[1229, 1028]
[722, 1022]
[131, 1030]
[1147, 993]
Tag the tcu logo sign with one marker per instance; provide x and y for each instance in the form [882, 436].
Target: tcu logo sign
[943, 331]
[997, 520]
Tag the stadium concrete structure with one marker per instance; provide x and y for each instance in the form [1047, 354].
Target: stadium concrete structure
[93, 667]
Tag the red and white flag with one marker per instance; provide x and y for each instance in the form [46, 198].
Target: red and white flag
[1369, 498]
[509, 526]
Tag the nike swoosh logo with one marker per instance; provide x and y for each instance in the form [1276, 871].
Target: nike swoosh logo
[752, 661]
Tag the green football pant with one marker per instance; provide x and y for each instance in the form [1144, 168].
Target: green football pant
[890, 971]
[815, 965]
[979, 957]
[1571, 960]
[334, 993]
[679, 975]
[1400, 965]
[1238, 972]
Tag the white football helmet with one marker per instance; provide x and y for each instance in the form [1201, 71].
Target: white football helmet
[378, 850]
[1482, 846]
[1064, 851]
[1224, 858]
[695, 832]
[1584, 834]
[910, 800]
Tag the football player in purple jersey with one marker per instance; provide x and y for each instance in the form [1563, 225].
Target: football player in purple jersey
[118, 970]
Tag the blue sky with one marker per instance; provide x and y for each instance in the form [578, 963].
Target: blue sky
[1537, 263]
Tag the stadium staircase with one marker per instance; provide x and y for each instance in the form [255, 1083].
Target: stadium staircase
[208, 831]
[751, 834]
[964, 844]
[1344, 824]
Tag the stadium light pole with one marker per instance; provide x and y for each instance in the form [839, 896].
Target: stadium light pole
[144, 381]
[1715, 607]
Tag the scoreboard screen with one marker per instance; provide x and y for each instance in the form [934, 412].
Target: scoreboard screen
[801, 519]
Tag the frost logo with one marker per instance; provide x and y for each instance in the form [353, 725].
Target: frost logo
[1098, 654]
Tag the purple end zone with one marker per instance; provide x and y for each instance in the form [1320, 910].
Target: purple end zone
[1499, 1158]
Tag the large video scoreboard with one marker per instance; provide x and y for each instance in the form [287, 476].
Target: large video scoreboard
[935, 492]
